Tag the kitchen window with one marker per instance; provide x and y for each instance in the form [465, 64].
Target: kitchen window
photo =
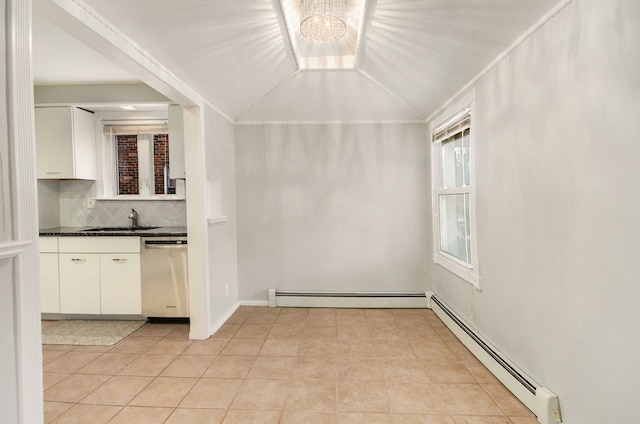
[453, 199]
[139, 162]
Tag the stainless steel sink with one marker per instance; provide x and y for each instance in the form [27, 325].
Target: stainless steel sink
[113, 229]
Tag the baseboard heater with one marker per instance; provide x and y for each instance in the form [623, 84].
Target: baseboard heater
[320, 299]
[540, 400]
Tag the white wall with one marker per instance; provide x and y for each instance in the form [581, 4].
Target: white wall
[8, 363]
[558, 210]
[20, 341]
[48, 203]
[221, 197]
[332, 207]
[5, 207]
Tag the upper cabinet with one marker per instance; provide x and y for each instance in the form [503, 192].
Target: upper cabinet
[65, 143]
[176, 142]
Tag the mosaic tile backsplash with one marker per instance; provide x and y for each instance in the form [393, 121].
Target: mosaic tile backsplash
[73, 211]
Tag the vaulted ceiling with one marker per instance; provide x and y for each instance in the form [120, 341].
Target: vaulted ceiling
[413, 55]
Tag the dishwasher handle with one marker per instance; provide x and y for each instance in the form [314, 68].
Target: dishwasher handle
[165, 246]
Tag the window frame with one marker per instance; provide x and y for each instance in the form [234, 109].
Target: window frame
[448, 118]
[110, 174]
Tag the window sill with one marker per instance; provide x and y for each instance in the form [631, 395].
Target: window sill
[138, 198]
[466, 273]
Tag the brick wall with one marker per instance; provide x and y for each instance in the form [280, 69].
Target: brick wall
[160, 159]
[128, 175]
[127, 164]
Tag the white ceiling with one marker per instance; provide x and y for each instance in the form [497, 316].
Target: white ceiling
[413, 56]
[59, 58]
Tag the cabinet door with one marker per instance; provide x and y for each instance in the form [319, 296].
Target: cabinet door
[49, 283]
[176, 142]
[65, 143]
[54, 148]
[120, 286]
[84, 145]
[79, 283]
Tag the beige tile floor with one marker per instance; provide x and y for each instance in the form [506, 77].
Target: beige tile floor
[289, 365]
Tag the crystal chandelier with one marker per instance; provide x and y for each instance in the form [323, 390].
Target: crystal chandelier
[323, 20]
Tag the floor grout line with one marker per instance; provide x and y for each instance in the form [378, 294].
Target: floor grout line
[390, 336]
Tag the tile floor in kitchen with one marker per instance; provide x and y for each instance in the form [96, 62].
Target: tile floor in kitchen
[288, 365]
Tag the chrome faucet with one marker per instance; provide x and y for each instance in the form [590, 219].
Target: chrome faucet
[133, 216]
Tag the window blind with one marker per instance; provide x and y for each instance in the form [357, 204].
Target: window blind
[135, 127]
[453, 126]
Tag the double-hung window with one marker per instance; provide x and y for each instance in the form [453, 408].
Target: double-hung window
[455, 244]
[138, 162]
[143, 164]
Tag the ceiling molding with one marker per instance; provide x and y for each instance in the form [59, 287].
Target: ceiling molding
[355, 122]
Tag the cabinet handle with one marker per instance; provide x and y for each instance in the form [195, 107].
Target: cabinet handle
[53, 173]
[118, 260]
[78, 260]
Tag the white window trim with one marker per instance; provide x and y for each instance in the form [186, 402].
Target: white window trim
[468, 272]
[110, 172]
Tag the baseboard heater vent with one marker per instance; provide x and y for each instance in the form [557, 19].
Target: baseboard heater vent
[540, 400]
[321, 299]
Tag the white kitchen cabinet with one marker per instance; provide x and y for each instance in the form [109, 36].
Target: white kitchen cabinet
[65, 143]
[99, 244]
[49, 278]
[120, 291]
[100, 275]
[176, 142]
[79, 283]
[49, 283]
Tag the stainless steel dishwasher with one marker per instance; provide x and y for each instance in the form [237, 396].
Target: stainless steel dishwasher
[165, 282]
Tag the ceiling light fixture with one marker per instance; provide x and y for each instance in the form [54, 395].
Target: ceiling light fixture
[323, 20]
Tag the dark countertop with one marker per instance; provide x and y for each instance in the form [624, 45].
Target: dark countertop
[124, 232]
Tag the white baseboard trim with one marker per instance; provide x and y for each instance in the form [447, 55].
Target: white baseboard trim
[324, 299]
[220, 322]
[254, 303]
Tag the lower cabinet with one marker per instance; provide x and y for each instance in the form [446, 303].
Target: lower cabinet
[49, 283]
[120, 291]
[97, 275]
[49, 276]
[79, 283]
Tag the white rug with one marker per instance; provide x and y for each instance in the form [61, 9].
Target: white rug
[88, 333]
